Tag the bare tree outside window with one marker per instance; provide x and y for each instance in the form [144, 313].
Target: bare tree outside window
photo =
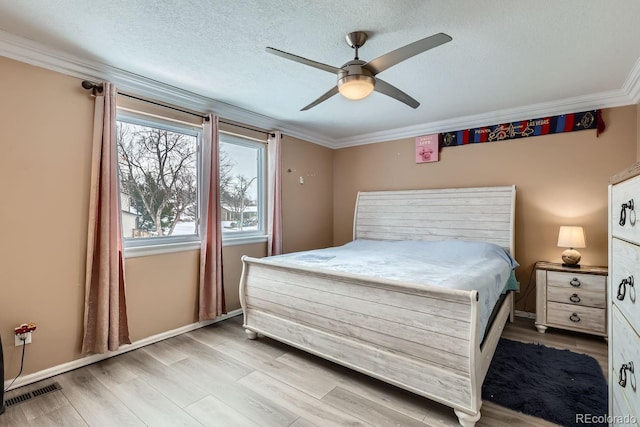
[158, 166]
[237, 200]
[158, 178]
[239, 186]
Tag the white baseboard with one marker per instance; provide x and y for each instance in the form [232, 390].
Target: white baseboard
[79, 363]
[525, 314]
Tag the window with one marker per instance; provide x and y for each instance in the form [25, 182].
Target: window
[158, 165]
[242, 200]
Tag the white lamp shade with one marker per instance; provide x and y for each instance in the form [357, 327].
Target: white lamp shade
[356, 87]
[571, 237]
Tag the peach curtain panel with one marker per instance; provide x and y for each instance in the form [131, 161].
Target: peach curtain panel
[105, 312]
[274, 227]
[211, 293]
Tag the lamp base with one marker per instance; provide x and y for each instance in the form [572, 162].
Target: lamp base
[571, 265]
[571, 258]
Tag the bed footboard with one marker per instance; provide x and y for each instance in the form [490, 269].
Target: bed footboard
[420, 338]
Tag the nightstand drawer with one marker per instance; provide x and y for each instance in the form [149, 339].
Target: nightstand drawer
[589, 282]
[576, 317]
[577, 296]
[625, 272]
[571, 298]
[626, 193]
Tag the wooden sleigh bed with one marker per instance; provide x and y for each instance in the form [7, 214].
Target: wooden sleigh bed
[422, 338]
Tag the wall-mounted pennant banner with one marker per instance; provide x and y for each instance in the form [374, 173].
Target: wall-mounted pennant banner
[526, 128]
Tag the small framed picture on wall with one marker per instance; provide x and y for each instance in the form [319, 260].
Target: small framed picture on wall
[427, 148]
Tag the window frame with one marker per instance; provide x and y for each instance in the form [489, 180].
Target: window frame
[165, 244]
[260, 235]
[146, 246]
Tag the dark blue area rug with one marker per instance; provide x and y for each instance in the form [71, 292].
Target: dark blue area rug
[547, 383]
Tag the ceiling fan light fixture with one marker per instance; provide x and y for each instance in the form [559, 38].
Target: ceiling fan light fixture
[356, 87]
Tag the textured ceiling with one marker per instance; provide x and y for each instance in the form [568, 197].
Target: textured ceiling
[507, 58]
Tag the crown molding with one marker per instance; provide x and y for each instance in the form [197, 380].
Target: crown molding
[20, 49]
[632, 83]
[30, 52]
[607, 99]
[629, 94]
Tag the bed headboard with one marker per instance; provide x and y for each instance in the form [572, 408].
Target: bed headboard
[478, 214]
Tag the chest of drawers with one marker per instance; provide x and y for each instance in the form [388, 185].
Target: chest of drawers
[624, 306]
[571, 298]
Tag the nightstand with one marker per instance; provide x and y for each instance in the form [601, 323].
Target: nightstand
[571, 298]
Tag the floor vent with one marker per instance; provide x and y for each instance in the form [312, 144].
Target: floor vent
[31, 394]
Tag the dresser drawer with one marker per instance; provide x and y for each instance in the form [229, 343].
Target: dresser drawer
[621, 415]
[625, 270]
[589, 282]
[577, 296]
[625, 353]
[587, 319]
[626, 193]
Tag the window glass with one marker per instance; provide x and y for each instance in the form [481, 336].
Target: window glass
[158, 166]
[241, 186]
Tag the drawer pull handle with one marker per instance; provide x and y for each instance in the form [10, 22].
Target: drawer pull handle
[623, 214]
[622, 289]
[575, 282]
[574, 298]
[574, 317]
[622, 380]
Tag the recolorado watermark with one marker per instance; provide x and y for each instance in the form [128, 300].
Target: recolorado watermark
[605, 419]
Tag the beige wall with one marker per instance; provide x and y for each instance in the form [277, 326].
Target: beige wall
[45, 140]
[45, 134]
[162, 290]
[561, 180]
[307, 209]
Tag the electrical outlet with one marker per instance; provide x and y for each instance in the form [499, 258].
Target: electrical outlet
[26, 335]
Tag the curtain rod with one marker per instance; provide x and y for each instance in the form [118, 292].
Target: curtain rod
[248, 128]
[95, 87]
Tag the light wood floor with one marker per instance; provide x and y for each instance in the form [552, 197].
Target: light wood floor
[214, 376]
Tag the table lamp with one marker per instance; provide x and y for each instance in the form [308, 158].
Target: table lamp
[571, 237]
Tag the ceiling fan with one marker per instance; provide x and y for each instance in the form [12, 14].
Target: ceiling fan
[357, 78]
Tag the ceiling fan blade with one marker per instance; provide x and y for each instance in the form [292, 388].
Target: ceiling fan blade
[305, 61]
[394, 57]
[323, 98]
[395, 93]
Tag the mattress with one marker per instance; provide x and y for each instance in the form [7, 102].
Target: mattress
[457, 264]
